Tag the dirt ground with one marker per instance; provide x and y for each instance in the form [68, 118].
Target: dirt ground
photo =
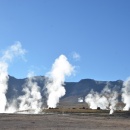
[64, 122]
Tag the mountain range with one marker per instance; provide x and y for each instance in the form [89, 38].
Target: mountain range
[74, 90]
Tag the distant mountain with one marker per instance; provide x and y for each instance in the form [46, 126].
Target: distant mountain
[74, 90]
[15, 86]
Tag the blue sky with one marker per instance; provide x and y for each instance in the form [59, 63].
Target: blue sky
[97, 30]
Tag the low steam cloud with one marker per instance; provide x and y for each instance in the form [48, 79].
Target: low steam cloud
[32, 99]
[55, 89]
[107, 99]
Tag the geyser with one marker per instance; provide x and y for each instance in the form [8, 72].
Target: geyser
[32, 99]
[55, 83]
[8, 55]
[107, 99]
[3, 85]
[126, 94]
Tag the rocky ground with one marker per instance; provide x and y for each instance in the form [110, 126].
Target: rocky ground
[64, 122]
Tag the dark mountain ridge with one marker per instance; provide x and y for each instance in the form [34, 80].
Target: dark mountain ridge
[74, 90]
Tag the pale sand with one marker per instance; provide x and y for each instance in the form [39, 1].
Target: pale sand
[64, 122]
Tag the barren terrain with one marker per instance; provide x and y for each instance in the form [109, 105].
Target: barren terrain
[81, 121]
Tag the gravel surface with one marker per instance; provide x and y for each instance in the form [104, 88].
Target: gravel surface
[64, 122]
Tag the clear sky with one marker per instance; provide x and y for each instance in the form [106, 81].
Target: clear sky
[98, 31]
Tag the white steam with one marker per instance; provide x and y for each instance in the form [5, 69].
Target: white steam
[113, 100]
[8, 55]
[76, 56]
[80, 99]
[126, 94]
[55, 89]
[95, 99]
[32, 99]
[11, 106]
[3, 85]
[107, 99]
[13, 51]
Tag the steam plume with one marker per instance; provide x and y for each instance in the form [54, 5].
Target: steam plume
[8, 55]
[94, 99]
[113, 100]
[80, 99]
[32, 99]
[3, 85]
[107, 99]
[126, 94]
[12, 106]
[55, 88]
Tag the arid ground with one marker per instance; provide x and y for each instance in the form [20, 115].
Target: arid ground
[81, 121]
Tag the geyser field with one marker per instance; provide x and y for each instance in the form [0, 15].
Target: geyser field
[36, 106]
